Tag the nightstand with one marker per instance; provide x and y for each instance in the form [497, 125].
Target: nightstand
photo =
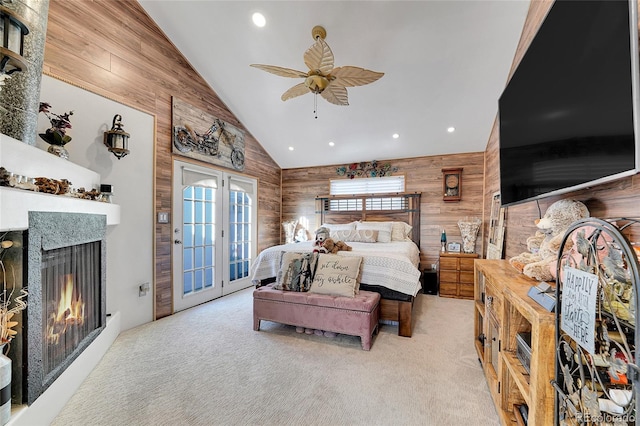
[456, 275]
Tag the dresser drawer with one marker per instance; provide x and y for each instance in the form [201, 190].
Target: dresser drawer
[448, 263]
[466, 290]
[449, 276]
[466, 264]
[466, 277]
[448, 289]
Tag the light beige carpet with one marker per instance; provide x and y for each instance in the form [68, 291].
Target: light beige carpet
[206, 366]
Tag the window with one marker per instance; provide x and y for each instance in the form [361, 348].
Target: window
[377, 185]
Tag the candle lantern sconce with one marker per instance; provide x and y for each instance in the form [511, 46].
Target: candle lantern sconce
[116, 139]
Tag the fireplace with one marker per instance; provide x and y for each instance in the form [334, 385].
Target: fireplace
[66, 281]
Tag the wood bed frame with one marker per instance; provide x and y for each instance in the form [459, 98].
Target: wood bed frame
[402, 207]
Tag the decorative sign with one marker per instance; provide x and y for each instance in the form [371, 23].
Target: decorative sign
[202, 136]
[364, 169]
[579, 294]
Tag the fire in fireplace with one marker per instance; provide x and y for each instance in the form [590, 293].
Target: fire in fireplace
[71, 296]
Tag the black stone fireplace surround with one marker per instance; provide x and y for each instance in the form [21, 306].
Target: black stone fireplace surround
[49, 231]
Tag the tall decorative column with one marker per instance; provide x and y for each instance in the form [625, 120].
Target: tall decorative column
[20, 92]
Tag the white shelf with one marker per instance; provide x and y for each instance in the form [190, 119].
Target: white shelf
[15, 204]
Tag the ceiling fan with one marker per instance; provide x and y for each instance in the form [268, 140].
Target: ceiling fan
[322, 78]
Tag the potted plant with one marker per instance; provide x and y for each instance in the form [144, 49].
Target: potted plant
[56, 136]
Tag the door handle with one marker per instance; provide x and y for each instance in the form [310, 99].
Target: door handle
[177, 242]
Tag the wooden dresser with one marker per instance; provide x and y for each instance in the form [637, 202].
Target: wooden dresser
[456, 275]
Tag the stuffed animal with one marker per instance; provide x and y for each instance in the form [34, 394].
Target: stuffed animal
[335, 246]
[322, 234]
[540, 262]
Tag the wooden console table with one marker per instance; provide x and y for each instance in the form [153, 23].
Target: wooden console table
[502, 310]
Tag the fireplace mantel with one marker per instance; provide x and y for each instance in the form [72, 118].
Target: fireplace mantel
[15, 204]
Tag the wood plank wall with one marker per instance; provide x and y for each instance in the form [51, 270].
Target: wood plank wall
[114, 49]
[615, 199]
[422, 174]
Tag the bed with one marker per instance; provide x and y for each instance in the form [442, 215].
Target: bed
[390, 268]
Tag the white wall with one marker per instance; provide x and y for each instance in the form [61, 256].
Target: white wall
[129, 244]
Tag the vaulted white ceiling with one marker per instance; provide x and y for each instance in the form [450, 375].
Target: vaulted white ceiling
[445, 63]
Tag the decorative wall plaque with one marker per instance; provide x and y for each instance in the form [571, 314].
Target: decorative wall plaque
[199, 135]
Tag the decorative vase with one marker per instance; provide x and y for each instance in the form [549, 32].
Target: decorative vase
[59, 151]
[469, 231]
[5, 387]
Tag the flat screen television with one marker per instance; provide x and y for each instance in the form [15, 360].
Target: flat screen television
[568, 116]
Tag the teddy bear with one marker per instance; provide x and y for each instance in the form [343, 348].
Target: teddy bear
[322, 234]
[335, 246]
[540, 261]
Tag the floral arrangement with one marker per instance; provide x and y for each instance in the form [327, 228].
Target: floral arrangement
[57, 133]
[9, 305]
[366, 169]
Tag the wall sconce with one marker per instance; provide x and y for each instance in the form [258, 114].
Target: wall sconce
[12, 32]
[116, 139]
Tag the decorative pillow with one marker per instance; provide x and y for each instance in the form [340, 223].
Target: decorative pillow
[339, 226]
[296, 271]
[400, 231]
[356, 236]
[336, 275]
[383, 228]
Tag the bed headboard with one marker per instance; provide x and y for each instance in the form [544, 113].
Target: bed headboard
[400, 206]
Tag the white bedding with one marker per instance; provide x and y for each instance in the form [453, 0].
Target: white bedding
[392, 265]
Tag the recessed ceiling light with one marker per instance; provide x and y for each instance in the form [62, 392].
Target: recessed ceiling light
[331, 143]
[395, 136]
[451, 129]
[290, 148]
[258, 19]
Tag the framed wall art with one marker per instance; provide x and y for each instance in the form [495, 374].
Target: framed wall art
[202, 136]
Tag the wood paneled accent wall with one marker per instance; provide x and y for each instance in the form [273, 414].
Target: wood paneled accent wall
[616, 199]
[114, 49]
[422, 174]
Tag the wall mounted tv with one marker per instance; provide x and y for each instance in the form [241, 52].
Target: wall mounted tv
[568, 114]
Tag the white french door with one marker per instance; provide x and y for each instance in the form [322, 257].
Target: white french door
[214, 233]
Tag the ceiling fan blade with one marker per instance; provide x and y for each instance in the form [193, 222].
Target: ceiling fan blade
[319, 57]
[354, 76]
[282, 72]
[335, 94]
[295, 91]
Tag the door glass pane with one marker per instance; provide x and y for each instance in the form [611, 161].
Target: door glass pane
[188, 282]
[198, 258]
[199, 235]
[199, 279]
[208, 278]
[187, 235]
[209, 232]
[188, 259]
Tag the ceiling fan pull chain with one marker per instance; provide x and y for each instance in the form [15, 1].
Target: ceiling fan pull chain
[315, 104]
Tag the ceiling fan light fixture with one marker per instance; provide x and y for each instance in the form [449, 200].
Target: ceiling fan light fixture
[316, 83]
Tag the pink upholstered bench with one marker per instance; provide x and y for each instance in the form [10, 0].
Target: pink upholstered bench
[357, 316]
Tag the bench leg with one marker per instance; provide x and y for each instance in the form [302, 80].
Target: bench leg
[366, 342]
[256, 323]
